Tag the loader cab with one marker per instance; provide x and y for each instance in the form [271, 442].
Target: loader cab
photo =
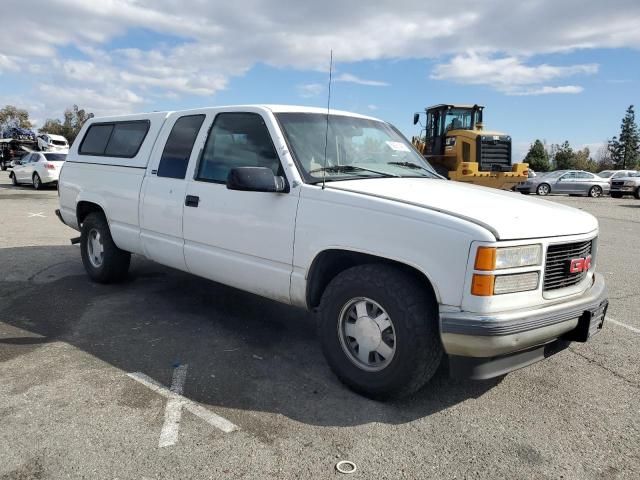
[443, 119]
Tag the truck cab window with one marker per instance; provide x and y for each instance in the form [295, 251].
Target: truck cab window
[177, 150]
[237, 140]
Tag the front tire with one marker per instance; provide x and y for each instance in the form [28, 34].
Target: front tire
[102, 259]
[616, 195]
[543, 189]
[636, 194]
[379, 331]
[595, 191]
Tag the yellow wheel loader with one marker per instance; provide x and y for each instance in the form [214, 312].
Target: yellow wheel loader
[456, 144]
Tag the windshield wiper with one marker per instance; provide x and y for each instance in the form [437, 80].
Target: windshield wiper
[411, 165]
[350, 169]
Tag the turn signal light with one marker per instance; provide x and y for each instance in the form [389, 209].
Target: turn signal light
[482, 285]
[486, 258]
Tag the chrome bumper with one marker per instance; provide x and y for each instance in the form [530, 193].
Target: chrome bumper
[489, 335]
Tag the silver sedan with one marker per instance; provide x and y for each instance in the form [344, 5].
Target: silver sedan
[572, 182]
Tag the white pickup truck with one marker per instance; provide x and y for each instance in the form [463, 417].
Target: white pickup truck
[337, 213]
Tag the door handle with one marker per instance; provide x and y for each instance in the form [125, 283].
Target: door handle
[192, 201]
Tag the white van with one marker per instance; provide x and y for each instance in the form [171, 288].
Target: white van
[339, 214]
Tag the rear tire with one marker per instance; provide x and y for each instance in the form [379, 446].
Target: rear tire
[543, 189]
[410, 339]
[37, 181]
[616, 195]
[102, 259]
[636, 194]
[595, 191]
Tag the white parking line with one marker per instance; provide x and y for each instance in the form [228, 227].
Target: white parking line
[175, 403]
[39, 214]
[623, 325]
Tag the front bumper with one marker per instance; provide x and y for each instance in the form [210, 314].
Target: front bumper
[623, 189]
[525, 188]
[487, 337]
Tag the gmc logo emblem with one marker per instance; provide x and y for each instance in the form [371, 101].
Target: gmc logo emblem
[578, 265]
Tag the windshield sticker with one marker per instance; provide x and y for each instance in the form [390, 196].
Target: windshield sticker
[398, 146]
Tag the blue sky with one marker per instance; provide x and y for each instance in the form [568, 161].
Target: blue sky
[552, 70]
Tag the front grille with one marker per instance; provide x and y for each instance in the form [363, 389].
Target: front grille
[556, 270]
[617, 183]
[494, 155]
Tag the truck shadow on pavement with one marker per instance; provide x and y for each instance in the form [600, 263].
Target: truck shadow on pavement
[244, 352]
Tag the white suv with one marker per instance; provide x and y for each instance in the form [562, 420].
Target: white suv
[339, 214]
[48, 142]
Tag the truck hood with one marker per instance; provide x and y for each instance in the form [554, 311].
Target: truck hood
[508, 215]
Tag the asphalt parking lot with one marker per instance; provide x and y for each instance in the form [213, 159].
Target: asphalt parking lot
[90, 377]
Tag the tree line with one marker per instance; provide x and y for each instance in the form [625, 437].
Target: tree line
[69, 126]
[621, 152]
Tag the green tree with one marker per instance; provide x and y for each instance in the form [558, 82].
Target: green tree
[626, 148]
[11, 116]
[537, 157]
[582, 161]
[74, 119]
[563, 157]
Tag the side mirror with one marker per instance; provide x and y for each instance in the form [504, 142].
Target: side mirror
[255, 179]
[416, 118]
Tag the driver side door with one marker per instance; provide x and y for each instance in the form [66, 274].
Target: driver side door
[240, 238]
[565, 184]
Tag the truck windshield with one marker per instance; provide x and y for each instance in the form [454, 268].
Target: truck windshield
[355, 148]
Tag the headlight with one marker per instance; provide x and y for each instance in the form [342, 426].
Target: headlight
[492, 258]
[487, 285]
[450, 141]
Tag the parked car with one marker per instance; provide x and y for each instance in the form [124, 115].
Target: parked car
[572, 182]
[48, 142]
[337, 213]
[615, 174]
[629, 185]
[38, 169]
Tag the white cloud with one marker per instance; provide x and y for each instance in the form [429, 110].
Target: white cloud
[310, 90]
[373, 108]
[546, 90]
[347, 77]
[211, 42]
[509, 74]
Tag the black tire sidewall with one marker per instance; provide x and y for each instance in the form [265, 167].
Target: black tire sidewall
[410, 338]
[115, 261]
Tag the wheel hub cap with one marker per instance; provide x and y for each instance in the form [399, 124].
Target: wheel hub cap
[367, 334]
[95, 249]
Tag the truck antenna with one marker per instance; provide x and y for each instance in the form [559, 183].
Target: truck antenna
[326, 132]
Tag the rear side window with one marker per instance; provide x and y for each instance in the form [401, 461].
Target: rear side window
[117, 139]
[55, 157]
[177, 150]
[95, 140]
